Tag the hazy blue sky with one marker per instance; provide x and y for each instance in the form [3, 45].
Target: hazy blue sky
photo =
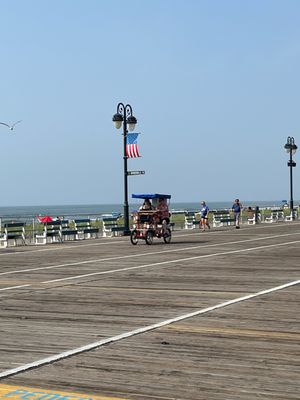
[214, 86]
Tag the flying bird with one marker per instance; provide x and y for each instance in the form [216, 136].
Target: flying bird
[11, 127]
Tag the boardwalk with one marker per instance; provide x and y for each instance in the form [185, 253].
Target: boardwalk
[211, 316]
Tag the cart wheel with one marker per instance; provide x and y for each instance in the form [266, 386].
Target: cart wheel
[133, 237]
[168, 236]
[149, 237]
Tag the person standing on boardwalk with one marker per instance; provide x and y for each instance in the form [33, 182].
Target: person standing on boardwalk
[204, 216]
[237, 208]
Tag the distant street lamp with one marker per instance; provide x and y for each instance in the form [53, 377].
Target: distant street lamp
[291, 148]
[124, 114]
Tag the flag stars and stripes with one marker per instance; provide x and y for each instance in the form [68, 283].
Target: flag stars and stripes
[132, 150]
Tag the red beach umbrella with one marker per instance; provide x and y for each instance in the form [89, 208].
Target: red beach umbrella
[46, 218]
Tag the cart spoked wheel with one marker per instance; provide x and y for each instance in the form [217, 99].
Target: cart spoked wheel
[149, 237]
[167, 236]
[133, 237]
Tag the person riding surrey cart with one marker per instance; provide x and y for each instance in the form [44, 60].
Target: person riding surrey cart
[163, 209]
[147, 205]
[152, 220]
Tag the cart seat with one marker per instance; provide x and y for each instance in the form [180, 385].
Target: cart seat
[144, 218]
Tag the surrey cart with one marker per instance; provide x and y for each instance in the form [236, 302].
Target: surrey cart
[153, 218]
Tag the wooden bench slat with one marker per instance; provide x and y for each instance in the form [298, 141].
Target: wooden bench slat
[66, 232]
[118, 228]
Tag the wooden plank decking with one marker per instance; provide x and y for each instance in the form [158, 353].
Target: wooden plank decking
[61, 297]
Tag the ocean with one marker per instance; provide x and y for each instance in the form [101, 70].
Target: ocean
[97, 210]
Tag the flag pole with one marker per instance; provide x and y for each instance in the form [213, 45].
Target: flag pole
[124, 114]
[126, 206]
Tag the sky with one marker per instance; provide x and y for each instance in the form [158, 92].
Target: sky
[214, 85]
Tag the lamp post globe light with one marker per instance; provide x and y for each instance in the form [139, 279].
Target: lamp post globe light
[291, 148]
[124, 116]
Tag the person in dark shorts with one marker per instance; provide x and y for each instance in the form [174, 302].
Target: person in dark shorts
[204, 216]
[237, 208]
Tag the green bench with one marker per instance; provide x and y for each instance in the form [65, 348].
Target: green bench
[275, 215]
[222, 218]
[111, 227]
[51, 233]
[117, 230]
[84, 228]
[67, 232]
[56, 231]
[13, 231]
[190, 220]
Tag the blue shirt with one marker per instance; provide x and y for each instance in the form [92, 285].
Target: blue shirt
[236, 207]
[204, 210]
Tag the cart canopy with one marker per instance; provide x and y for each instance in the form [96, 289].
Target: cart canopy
[151, 196]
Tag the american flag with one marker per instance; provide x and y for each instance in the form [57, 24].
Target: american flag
[132, 149]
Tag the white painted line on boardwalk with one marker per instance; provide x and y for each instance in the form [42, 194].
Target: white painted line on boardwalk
[170, 262]
[97, 260]
[156, 264]
[14, 287]
[92, 346]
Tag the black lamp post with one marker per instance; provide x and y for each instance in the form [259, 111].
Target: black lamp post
[291, 148]
[124, 114]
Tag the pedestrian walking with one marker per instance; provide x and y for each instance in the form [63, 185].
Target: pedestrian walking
[237, 208]
[204, 210]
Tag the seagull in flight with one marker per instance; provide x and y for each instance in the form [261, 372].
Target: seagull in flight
[11, 127]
